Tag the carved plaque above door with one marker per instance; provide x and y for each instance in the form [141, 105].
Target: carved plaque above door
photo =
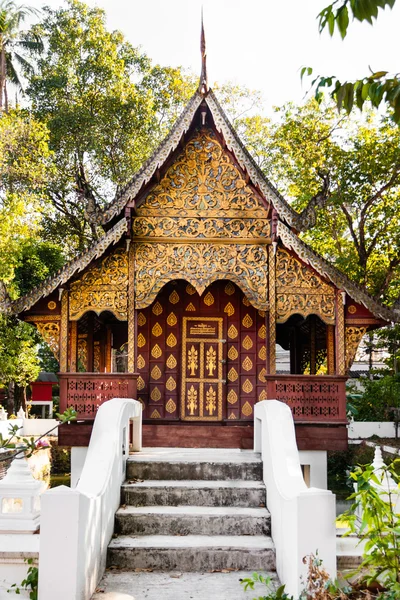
[202, 369]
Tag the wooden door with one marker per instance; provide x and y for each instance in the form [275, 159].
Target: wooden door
[203, 368]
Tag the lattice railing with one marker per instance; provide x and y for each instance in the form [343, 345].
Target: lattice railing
[312, 398]
[85, 392]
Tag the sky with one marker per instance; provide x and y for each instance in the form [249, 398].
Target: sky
[260, 44]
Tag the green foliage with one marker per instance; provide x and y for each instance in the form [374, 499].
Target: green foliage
[38, 260]
[106, 107]
[379, 526]
[30, 583]
[271, 593]
[340, 464]
[379, 400]
[377, 87]
[60, 458]
[18, 352]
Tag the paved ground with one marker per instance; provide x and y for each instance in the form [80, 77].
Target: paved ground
[119, 585]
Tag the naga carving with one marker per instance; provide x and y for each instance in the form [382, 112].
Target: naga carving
[201, 264]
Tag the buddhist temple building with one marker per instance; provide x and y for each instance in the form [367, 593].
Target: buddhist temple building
[199, 275]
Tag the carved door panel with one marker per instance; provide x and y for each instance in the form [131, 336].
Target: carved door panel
[202, 369]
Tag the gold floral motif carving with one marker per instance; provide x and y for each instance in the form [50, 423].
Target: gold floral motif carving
[271, 354]
[96, 357]
[232, 416]
[190, 308]
[170, 407]
[354, 336]
[232, 375]
[171, 384]
[262, 374]
[300, 290]
[232, 397]
[155, 394]
[172, 320]
[83, 353]
[262, 353]
[171, 340]
[141, 319]
[104, 286]
[262, 313]
[247, 364]
[155, 373]
[262, 332]
[247, 321]
[155, 414]
[262, 396]
[141, 363]
[229, 289]
[173, 297]
[247, 409]
[156, 351]
[64, 332]
[232, 332]
[190, 289]
[192, 400]
[50, 332]
[247, 386]
[157, 330]
[201, 228]
[209, 299]
[157, 309]
[141, 340]
[52, 305]
[140, 383]
[202, 181]
[211, 361]
[247, 343]
[211, 403]
[193, 361]
[340, 336]
[232, 353]
[352, 309]
[171, 362]
[245, 301]
[229, 310]
[201, 264]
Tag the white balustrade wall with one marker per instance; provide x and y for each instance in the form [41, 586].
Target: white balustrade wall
[77, 524]
[302, 518]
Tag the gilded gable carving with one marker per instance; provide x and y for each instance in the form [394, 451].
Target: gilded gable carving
[102, 287]
[202, 182]
[300, 290]
[201, 264]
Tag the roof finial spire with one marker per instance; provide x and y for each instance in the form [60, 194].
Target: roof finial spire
[203, 84]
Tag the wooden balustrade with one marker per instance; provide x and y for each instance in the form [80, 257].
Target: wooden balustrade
[312, 398]
[85, 392]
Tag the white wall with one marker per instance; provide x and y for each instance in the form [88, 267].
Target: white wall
[317, 461]
[366, 429]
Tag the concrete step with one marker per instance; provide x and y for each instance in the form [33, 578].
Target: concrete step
[192, 520]
[251, 471]
[192, 553]
[249, 494]
[176, 585]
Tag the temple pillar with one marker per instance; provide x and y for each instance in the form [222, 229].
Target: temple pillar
[340, 335]
[271, 314]
[330, 349]
[131, 310]
[313, 345]
[108, 349]
[64, 331]
[73, 346]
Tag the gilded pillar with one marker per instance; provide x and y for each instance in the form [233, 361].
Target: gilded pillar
[340, 336]
[271, 315]
[313, 345]
[74, 346]
[108, 349]
[330, 349]
[64, 332]
[131, 310]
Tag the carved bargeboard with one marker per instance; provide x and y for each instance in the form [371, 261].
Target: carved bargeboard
[201, 264]
[103, 286]
[353, 338]
[300, 290]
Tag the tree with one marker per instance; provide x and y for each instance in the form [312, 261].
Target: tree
[106, 107]
[376, 87]
[25, 167]
[13, 44]
[348, 170]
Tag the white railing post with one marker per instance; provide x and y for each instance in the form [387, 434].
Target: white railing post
[77, 524]
[302, 519]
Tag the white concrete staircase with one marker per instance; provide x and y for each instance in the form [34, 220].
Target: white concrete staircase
[190, 521]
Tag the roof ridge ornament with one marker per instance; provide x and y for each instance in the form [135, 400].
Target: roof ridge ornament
[203, 83]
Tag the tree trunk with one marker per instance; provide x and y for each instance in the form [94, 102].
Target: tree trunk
[11, 399]
[2, 75]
